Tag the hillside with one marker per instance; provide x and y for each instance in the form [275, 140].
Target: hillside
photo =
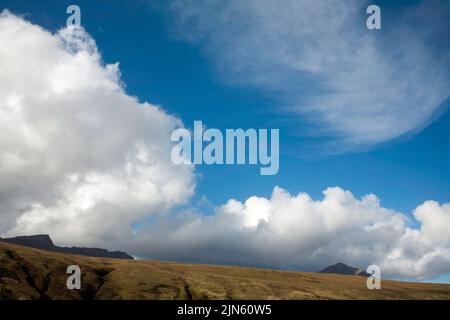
[28, 273]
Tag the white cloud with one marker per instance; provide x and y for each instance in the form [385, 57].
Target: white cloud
[318, 58]
[424, 252]
[296, 231]
[79, 157]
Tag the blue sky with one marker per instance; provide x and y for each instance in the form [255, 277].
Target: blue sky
[159, 65]
[175, 74]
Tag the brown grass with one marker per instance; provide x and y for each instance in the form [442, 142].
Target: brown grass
[27, 273]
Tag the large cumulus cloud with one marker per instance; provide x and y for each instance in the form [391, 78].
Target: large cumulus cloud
[79, 157]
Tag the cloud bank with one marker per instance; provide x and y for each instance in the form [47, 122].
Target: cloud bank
[319, 60]
[298, 232]
[82, 160]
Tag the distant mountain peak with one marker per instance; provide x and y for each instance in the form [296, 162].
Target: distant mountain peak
[44, 242]
[342, 268]
[45, 238]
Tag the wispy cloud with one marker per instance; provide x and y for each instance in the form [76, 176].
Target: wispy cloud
[319, 60]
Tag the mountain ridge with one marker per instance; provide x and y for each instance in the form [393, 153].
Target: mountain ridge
[44, 242]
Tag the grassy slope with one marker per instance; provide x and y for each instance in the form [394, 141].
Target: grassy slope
[27, 273]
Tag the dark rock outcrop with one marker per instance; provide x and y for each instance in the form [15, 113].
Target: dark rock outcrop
[44, 242]
[342, 268]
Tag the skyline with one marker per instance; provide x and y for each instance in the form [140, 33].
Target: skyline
[380, 164]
